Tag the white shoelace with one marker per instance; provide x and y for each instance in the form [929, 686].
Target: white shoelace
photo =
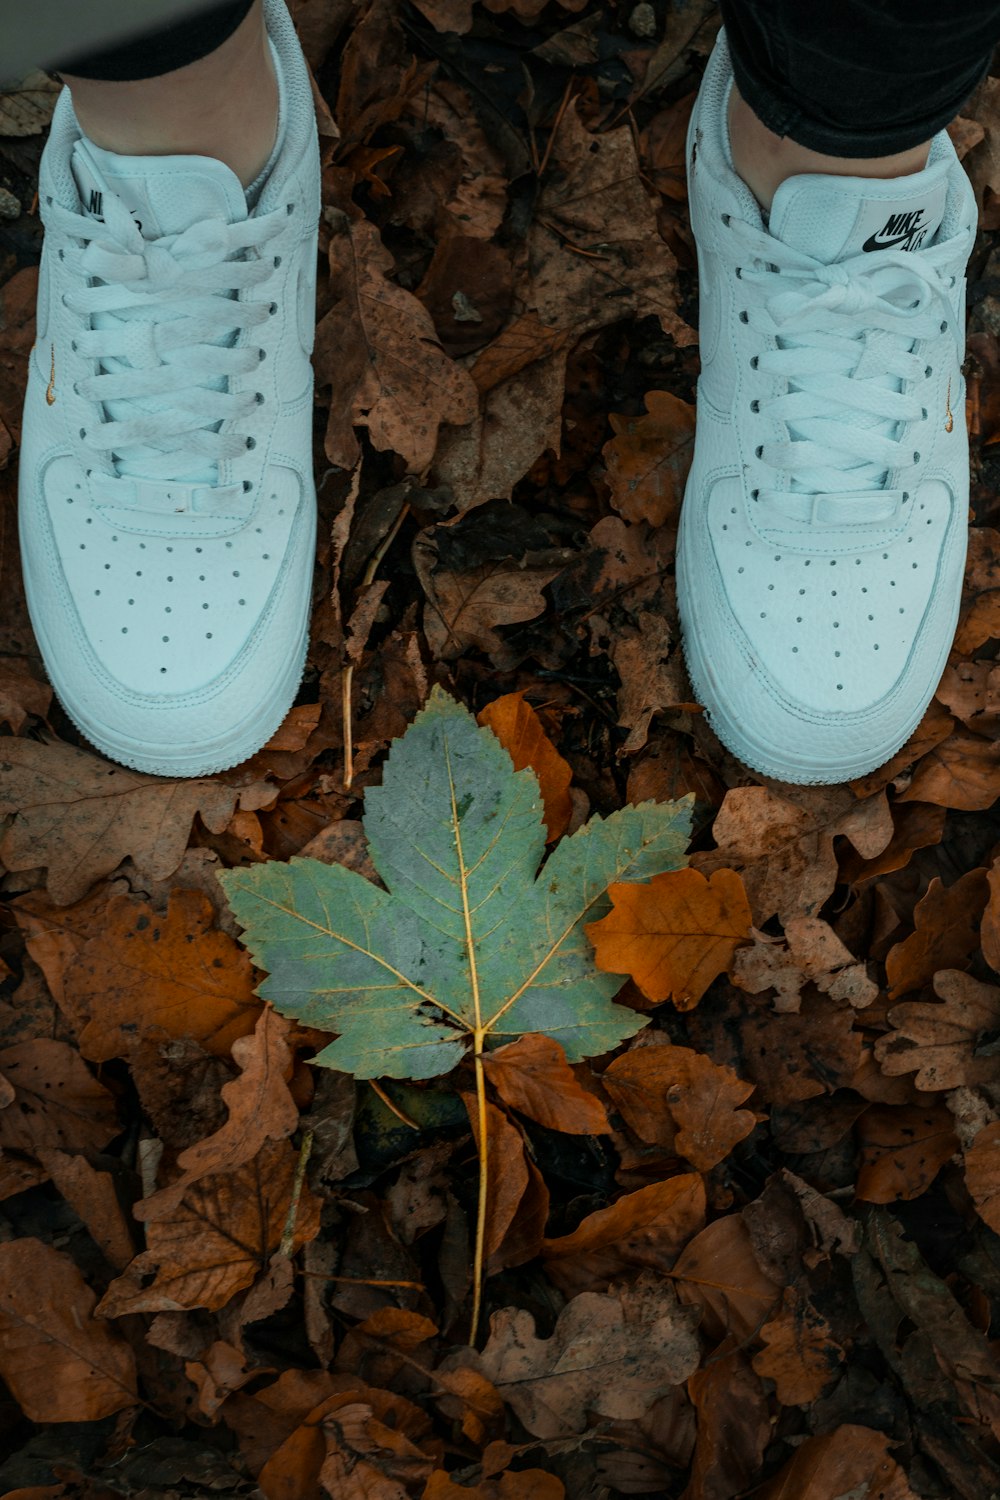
[170, 298]
[846, 334]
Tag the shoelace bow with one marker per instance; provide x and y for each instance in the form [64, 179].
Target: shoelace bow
[180, 282]
[844, 411]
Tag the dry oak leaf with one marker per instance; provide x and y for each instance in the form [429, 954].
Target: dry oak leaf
[644, 1229]
[648, 459]
[260, 1109]
[368, 1458]
[852, 1463]
[903, 1147]
[515, 1484]
[962, 772]
[938, 1042]
[220, 1239]
[54, 1101]
[679, 1098]
[982, 1174]
[149, 976]
[782, 844]
[60, 1365]
[533, 1076]
[990, 928]
[519, 730]
[378, 350]
[980, 616]
[611, 1353]
[21, 695]
[809, 952]
[718, 1272]
[971, 691]
[945, 935]
[800, 1353]
[81, 815]
[651, 677]
[673, 934]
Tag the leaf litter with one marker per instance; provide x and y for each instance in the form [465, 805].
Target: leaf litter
[739, 1217]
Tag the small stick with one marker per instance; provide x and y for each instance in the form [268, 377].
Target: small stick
[288, 1235]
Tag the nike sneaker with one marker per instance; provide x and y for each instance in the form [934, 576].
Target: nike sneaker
[824, 529]
[166, 499]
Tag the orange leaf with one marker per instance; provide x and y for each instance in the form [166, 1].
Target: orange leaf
[800, 1355]
[903, 1149]
[517, 1200]
[673, 934]
[532, 1075]
[719, 1272]
[516, 1484]
[645, 1228]
[520, 732]
[177, 975]
[945, 936]
[678, 1098]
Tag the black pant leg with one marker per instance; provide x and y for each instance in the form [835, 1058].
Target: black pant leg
[163, 50]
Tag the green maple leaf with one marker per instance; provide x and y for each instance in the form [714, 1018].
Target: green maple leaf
[470, 945]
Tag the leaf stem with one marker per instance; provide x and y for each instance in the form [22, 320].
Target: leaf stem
[484, 1183]
[288, 1237]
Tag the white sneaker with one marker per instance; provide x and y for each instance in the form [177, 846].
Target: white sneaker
[824, 528]
[166, 496]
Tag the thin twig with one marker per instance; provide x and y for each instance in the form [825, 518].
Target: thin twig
[556, 123]
[477, 1268]
[392, 1105]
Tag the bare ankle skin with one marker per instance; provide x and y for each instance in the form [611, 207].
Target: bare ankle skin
[764, 159]
[224, 105]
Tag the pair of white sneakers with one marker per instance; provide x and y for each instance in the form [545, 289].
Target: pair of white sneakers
[166, 498]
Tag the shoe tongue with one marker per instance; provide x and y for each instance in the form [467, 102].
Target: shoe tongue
[832, 218]
[164, 194]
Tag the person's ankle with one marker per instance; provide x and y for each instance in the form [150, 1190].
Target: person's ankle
[764, 159]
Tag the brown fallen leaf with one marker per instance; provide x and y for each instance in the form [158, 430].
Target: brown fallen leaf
[520, 731]
[938, 1042]
[91, 1193]
[53, 1101]
[367, 1456]
[652, 674]
[648, 459]
[378, 351]
[800, 1353]
[260, 1109]
[782, 843]
[174, 976]
[673, 934]
[680, 1099]
[517, 1199]
[21, 696]
[81, 815]
[222, 1370]
[533, 1076]
[717, 1271]
[647, 1228]
[962, 772]
[854, 1460]
[219, 1239]
[464, 608]
[612, 1353]
[295, 1469]
[982, 1174]
[734, 1425]
[60, 1365]
[903, 1147]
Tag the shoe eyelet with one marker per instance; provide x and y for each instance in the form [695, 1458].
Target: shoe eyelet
[744, 316]
[76, 388]
[272, 309]
[755, 405]
[923, 414]
[251, 442]
[739, 273]
[277, 260]
[755, 494]
[62, 254]
[759, 451]
[944, 326]
[754, 362]
[73, 345]
[928, 369]
[83, 432]
[289, 208]
[247, 486]
[916, 458]
[259, 397]
[262, 353]
[48, 199]
[726, 218]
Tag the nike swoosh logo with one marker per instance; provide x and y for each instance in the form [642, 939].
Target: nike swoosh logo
[873, 242]
[50, 394]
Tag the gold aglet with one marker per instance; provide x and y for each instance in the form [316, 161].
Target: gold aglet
[50, 394]
[949, 420]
